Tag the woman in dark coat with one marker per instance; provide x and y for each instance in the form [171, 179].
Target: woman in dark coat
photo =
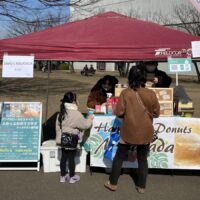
[159, 78]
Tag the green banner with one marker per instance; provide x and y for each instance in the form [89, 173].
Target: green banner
[180, 64]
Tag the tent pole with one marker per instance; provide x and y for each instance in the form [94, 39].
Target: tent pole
[47, 93]
[176, 78]
[197, 70]
[127, 69]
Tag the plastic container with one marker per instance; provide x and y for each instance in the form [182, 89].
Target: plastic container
[109, 107]
[116, 99]
[97, 108]
[51, 157]
[109, 102]
[119, 88]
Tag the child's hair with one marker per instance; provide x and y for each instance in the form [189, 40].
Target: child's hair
[69, 97]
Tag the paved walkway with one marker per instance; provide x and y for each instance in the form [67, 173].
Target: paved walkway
[32, 185]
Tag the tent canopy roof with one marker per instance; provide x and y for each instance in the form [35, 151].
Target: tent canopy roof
[108, 36]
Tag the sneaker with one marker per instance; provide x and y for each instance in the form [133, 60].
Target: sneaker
[67, 177]
[109, 186]
[63, 179]
[74, 179]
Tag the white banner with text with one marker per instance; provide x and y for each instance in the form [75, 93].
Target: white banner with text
[177, 146]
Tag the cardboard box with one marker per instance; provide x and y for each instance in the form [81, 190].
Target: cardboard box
[165, 98]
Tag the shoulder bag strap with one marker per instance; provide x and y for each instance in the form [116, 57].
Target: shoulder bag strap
[155, 137]
[142, 104]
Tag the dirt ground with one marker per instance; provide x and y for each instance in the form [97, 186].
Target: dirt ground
[47, 186]
[36, 89]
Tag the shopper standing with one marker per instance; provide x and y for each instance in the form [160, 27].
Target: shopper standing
[137, 106]
[71, 121]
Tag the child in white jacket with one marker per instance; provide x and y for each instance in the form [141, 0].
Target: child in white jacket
[70, 120]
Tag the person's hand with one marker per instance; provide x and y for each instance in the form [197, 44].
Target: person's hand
[149, 84]
[158, 80]
[91, 117]
[103, 104]
[155, 80]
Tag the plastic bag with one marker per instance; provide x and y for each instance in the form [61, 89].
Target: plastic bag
[111, 148]
[132, 154]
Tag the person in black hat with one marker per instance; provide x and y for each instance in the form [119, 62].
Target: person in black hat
[155, 77]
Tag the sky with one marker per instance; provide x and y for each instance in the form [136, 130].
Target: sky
[143, 6]
[31, 3]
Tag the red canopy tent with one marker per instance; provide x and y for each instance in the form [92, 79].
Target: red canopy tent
[109, 36]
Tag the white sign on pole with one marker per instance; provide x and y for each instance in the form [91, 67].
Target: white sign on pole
[196, 49]
[180, 64]
[18, 66]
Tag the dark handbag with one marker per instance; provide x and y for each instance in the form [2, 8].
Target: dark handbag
[132, 153]
[69, 140]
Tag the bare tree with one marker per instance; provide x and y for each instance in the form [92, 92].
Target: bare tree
[187, 19]
[26, 18]
[8, 8]
[22, 10]
[133, 13]
[156, 17]
[183, 17]
[59, 3]
[16, 28]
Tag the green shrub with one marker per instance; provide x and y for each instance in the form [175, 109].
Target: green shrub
[63, 66]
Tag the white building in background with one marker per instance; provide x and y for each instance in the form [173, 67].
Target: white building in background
[145, 9]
